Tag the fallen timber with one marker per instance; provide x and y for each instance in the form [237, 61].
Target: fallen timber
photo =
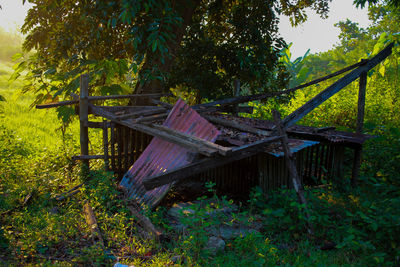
[127, 130]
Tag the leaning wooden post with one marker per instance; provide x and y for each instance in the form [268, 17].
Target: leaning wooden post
[359, 129]
[292, 168]
[83, 119]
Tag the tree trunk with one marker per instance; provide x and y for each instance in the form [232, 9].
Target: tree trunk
[156, 86]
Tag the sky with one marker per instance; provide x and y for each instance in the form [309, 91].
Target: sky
[318, 34]
[315, 34]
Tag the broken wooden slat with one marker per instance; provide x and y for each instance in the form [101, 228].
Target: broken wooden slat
[236, 125]
[336, 87]
[87, 157]
[155, 110]
[221, 149]
[145, 223]
[292, 168]
[151, 118]
[92, 222]
[74, 190]
[206, 164]
[94, 98]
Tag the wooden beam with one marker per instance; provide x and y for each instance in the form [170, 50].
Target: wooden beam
[221, 149]
[95, 98]
[236, 125]
[292, 169]
[336, 87]
[207, 164]
[155, 110]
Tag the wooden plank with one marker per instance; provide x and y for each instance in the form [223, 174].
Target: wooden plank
[87, 157]
[290, 163]
[336, 87]
[95, 124]
[221, 149]
[152, 118]
[155, 110]
[236, 125]
[95, 98]
[83, 117]
[57, 104]
[361, 102]
[92, 223]
[207, 164]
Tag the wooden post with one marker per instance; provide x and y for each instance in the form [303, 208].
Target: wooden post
[105, 145]
[361, 102]
[83, 118]
[360, 125]
[292, 168]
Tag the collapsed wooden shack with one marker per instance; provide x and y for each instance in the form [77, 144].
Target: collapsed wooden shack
[246, 152]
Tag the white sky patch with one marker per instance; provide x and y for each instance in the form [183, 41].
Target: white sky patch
[12, 14]
[318, 34]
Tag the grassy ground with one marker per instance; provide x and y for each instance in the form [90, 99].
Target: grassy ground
[34, 160]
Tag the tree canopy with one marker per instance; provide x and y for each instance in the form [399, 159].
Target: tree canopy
[151, 46]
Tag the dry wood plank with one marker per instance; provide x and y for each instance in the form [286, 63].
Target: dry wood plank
[74, 190]
[221, 149]
[336, 87]
[95, 98]
[236, 125]
[87, 157]
[145, 222]
[292, 168]
[153, 111]
[92, 222]
[207, 164]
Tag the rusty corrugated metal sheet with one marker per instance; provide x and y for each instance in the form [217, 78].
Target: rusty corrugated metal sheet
[160, 155]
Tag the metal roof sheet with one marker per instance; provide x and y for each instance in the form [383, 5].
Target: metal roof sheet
[160, 155]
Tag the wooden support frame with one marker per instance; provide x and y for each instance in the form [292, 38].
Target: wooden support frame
[336, 87]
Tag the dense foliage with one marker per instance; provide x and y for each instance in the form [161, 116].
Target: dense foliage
[199, 46]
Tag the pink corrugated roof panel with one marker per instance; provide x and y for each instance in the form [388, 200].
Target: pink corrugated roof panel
[160, 155]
